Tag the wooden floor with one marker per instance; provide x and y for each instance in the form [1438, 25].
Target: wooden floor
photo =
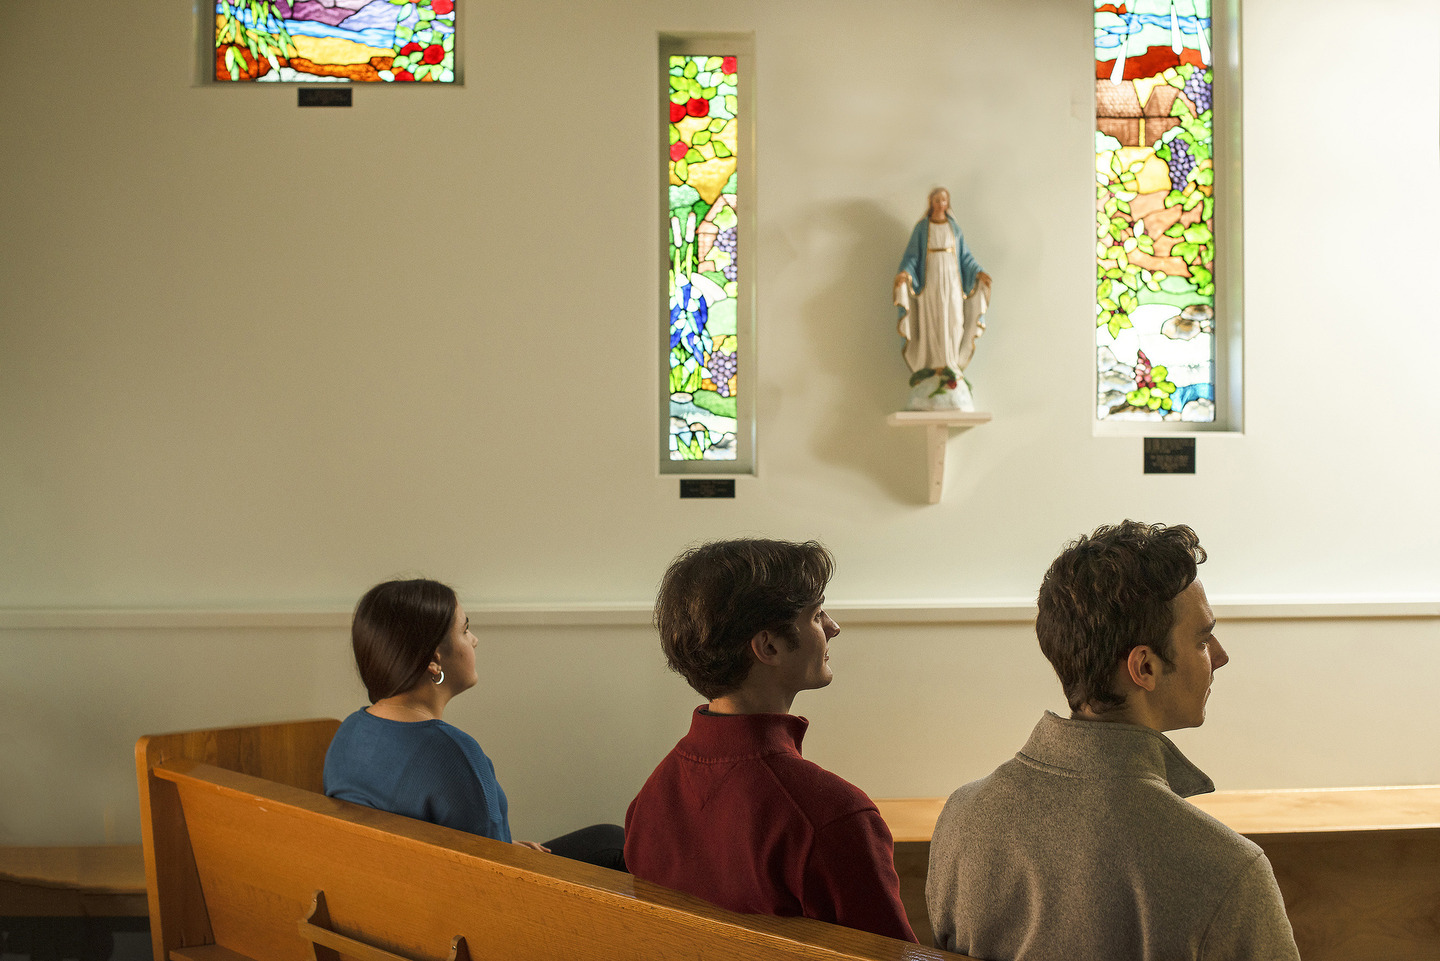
[1359, 868]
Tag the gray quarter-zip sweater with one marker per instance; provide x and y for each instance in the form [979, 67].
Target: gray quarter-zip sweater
[1083, 847]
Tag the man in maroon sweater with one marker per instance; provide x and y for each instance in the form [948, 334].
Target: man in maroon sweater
[734, 814]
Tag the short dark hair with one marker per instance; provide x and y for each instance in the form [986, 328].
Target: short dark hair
[397, 628]
[716, 597]
[1107, 594]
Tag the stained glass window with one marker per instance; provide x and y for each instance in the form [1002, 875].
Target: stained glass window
[1155, 198]
[363, 41]
[705, 239]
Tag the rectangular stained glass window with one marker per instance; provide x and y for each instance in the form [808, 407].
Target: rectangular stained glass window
[1155, 212]
[362, 41]
[705, 236]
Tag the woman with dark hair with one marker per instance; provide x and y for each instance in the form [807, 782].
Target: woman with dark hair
[414, 651]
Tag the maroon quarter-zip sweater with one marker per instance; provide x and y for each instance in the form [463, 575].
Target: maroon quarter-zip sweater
[736, 816]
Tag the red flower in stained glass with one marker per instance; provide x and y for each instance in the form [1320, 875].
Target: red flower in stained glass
[679, 149]
[697, 107]
[442, 7]
[677, 112]
[404, 75]
[728, 65]
[434, 53]
[411, 47]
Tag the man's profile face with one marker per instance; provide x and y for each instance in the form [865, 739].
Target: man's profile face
[1196, 654]
[806, 667]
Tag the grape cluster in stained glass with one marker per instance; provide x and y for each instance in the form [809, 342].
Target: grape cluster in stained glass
[363, 41]
[700, 234]
[1154, 211]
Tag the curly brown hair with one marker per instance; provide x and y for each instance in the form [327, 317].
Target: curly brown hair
[716, 597]
[1108, 593]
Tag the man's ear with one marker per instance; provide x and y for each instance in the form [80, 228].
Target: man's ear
[765, 645]
[1143, 667]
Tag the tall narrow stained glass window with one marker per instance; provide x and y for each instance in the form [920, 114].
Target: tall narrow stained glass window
[705, 238]
[1155, 212]
[360, 41]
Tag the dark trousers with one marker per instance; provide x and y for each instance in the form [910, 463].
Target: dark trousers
[602, 844]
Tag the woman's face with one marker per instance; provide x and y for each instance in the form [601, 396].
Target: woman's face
[939, 204]
[456, 656]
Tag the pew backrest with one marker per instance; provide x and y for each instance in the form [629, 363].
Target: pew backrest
[242, 866]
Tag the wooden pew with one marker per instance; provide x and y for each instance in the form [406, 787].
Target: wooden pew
[72, 882]
[1359, 868]
[246, 860]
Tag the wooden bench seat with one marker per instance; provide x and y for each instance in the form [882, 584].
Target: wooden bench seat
[241, 866]
[1359, 868]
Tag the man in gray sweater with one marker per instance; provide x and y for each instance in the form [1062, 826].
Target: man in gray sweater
[1082, 846]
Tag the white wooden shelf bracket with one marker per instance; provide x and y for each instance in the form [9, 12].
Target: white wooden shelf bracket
[938, 424]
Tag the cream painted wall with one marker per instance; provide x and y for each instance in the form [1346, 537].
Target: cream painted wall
[575, 718]
[259, 357]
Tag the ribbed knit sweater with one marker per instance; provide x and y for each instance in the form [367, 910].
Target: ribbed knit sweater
[427, 770]
[736, 816]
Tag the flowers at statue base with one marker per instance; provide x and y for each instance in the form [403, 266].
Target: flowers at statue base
[949, 379]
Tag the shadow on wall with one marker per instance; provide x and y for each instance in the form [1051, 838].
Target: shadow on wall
[851, 321]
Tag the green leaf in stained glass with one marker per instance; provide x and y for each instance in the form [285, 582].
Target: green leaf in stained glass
[1145, 244]
[678, 83]
[1205, 177]
[721, 150]
[694, 157]
[1192, 201]
[674, 133]
[692, 88]
[682, 197]
[731, 104]
[1198, 234]
[700, 137]
[1175, 230]
[730, 185]
[707, 92]
[1184, 251]
[1171, 199]
[692, 69]
[714, 403]
[1180, 109]
[681, 168]
[714, 63]
[717, 125]
[1201, 276]
[722, 317]
[1209, 212]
